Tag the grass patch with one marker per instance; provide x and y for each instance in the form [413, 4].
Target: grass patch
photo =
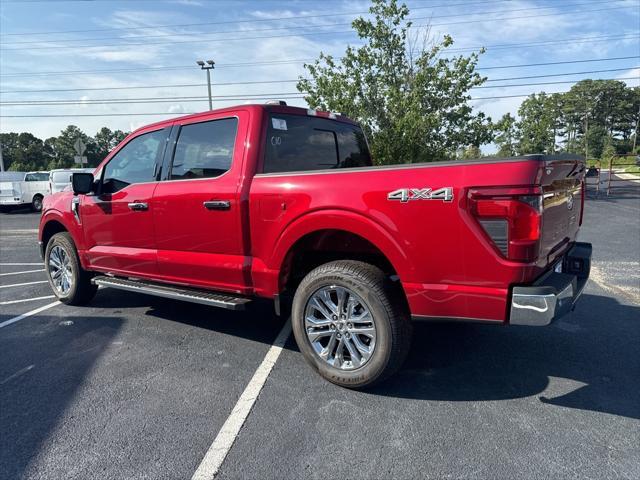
[634, 170]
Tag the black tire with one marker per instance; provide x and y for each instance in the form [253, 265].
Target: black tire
[390, 315]
[36, 203]
[82, 290]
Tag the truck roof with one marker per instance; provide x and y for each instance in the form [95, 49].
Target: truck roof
[269, 107]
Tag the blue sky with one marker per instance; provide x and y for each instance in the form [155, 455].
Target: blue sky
[118, 44]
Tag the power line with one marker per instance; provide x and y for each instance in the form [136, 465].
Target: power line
[200, 34]
[560, 74]
[484, 20]
[507, 46]
[249, 64]
[559, 63]
[174, 114]
[186, 85]
[222, 98]
[227, 22]
[552, 83]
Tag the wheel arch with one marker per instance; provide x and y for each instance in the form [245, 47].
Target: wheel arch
[50, 228]
[334, 235]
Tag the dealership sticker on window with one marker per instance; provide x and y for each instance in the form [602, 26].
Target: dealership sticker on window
[279, 124]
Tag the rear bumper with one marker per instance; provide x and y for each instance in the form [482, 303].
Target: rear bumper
[555, 293]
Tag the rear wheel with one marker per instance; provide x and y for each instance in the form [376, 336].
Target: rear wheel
[69, 282]
[36, 203]
[351, 323]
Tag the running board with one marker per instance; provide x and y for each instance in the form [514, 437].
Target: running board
[206, 297]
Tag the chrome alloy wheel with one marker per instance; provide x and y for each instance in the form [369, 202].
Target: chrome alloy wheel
[60, 271]
[340, 327]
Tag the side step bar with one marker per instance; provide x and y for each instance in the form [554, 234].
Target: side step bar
[206, 297]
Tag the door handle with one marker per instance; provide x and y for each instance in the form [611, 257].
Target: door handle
[217, 205]
[138, 206]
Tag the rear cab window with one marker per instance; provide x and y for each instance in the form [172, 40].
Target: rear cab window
[298, 143]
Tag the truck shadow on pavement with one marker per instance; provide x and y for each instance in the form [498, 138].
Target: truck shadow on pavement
[589, 361]
[44, 362]
[258, 323]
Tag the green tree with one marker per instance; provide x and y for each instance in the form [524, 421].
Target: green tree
[537, 125]
[471, 152]
[23, 152]
[63, 148]
[597, 112]
[506, 135]
[104, 141]
[411, 100]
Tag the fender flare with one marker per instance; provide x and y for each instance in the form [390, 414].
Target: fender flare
[344, 220]
[57, 216]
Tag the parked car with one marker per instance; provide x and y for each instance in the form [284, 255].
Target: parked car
[60, 179]
[284, 203]
[24, 189]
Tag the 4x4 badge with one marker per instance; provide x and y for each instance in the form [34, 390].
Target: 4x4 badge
[405, 194]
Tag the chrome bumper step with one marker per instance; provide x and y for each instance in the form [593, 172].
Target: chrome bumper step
[205, 297]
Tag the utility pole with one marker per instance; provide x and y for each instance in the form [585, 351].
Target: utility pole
[210, 65]
[635, 136]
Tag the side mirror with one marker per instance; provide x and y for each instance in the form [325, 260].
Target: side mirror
[82, 183]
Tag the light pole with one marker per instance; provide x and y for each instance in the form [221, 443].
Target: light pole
[210, 65]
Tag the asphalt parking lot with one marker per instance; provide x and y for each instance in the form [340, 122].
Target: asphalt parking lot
[138, 387]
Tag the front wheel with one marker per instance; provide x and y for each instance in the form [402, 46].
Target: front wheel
[69, 281]
[351, 323]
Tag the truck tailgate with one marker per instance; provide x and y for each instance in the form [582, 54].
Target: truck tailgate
[563, 202]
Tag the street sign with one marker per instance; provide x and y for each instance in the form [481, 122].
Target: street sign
[80, 159]
[79, 146]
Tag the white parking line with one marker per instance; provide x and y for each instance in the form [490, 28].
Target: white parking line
[18, 273]
[218, 450]
[23, 284]
[11, 302]
[19, 264]
[28, 314]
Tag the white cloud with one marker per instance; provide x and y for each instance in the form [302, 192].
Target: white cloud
[633, 73]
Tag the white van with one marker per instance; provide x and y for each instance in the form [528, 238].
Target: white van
[61, 178]
[19, 188]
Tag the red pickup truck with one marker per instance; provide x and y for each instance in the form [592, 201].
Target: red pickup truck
[284, 203]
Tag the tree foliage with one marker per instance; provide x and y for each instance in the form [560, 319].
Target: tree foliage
[594, 116]
[411, 100]
[506, 135]
[25, 152]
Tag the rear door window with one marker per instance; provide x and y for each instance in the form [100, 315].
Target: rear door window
[300, 143]
[204, 150]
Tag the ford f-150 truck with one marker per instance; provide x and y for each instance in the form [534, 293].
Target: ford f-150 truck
[284, 203]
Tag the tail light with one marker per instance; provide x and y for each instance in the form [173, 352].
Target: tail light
[511, 218]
